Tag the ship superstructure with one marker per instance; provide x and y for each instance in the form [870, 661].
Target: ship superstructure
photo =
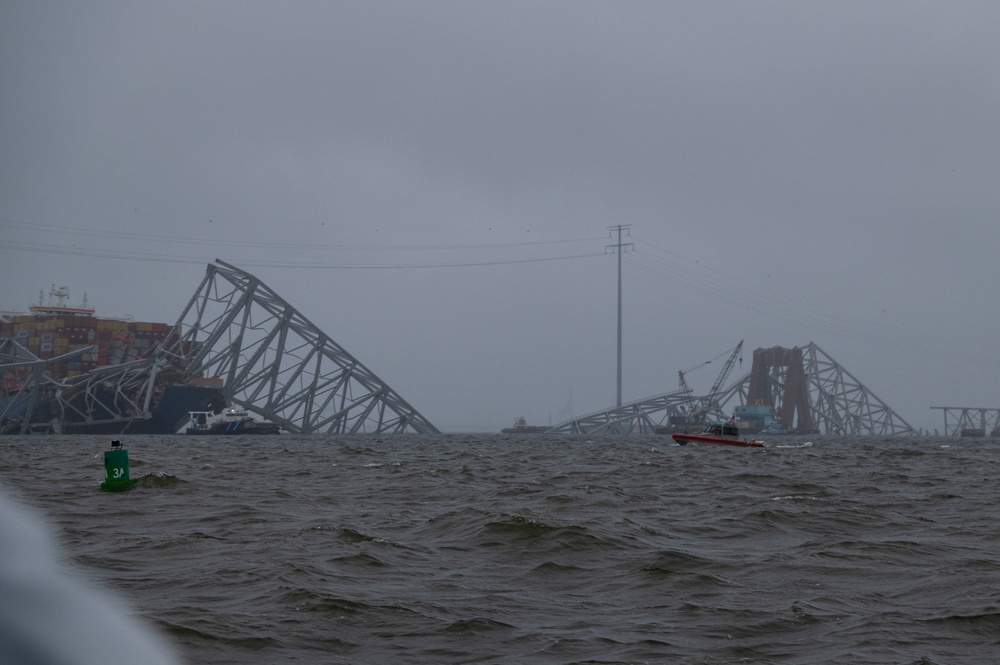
[54, 330]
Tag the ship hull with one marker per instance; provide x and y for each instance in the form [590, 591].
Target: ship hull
[684, 439]
[168, 416]
[236, 427]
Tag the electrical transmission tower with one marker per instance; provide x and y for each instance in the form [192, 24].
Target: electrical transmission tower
[619, 248]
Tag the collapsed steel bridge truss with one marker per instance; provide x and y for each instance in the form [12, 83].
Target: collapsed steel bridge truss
[22, 377]
[110, 397]
[264, 354]
[639, 417]
[838, 403]
[274, 362]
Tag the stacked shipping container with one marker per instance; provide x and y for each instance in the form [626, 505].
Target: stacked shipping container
[116, 340]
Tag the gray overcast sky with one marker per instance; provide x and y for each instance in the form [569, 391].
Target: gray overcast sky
[792, 172]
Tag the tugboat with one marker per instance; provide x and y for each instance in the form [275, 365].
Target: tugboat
[725, 434]
[521, 426]
[233, 421]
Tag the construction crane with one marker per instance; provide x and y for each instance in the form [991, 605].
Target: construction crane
[682, 373]
[708, 401]
[682, 381]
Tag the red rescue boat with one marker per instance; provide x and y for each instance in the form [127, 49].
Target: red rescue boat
[719, 434]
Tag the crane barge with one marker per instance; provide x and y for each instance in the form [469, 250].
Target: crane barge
[697, 414]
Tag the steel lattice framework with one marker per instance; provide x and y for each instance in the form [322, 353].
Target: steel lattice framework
[25, 373]
[276, 363]
[838, 402]
[969, 421]
[112, 397]
[640, 417]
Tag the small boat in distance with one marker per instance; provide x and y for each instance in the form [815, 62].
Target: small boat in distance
[776, 427]
[232, 421]
[718, 433]
[521, 426]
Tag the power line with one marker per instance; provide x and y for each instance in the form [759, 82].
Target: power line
[298, 264]
[240, 242]
[717, 283]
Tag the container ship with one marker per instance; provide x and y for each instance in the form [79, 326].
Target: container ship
[65, 370]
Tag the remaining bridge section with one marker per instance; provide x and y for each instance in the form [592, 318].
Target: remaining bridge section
[838, 403]
[970, 422]
[274, 362]
[779, 377]
[802, 386]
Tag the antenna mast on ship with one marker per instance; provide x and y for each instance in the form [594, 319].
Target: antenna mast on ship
[61, 294]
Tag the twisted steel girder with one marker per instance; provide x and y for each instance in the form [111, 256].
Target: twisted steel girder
[274, 362]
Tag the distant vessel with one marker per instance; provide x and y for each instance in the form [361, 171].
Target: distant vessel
[751, 419]
[681, 423]
[232, 421]
[776, 428]
[754, 418]
[521, 426]
[973, 432]
[719, 434]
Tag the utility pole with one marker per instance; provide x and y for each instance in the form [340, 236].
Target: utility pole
[620, 248]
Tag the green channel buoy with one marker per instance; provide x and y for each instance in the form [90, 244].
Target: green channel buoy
[116, 467]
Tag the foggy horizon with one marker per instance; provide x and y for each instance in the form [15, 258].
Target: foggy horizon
[433, 186]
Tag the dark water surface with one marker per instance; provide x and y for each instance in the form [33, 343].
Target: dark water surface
[499, 549]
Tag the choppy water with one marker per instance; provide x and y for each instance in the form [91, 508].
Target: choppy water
[497, 549]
